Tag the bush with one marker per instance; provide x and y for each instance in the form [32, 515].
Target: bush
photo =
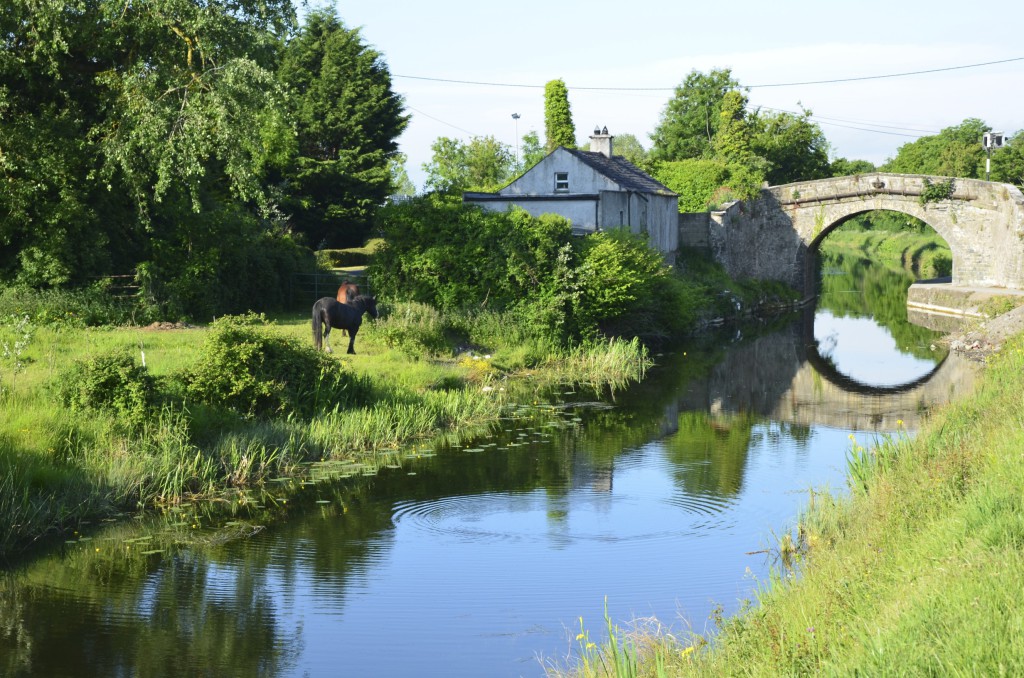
[455, 257]
[232, 262]
[617, 277]
[111, 382]
[243, 367]
[74, 308]
[694, 180]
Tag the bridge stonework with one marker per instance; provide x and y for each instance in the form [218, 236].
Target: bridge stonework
[775, 236]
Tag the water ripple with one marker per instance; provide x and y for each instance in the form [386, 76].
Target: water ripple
[577, 517]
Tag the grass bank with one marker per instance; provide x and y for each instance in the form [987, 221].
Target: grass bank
[925, 254]
[98, 421]
[917, 570]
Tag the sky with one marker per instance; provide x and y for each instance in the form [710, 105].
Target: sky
[641, 50]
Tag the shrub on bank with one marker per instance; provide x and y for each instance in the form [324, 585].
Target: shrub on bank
[112, 382]
[244, 368]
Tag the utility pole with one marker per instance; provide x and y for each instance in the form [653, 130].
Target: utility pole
[515, 116]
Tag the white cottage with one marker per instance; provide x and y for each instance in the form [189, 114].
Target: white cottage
[595, 190]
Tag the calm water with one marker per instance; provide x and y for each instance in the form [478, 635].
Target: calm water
[479, 560]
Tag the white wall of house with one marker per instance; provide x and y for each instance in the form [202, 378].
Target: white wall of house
[540, 179]
[581, 212]
[564, 184]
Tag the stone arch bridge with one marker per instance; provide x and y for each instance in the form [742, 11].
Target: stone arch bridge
[775, 236]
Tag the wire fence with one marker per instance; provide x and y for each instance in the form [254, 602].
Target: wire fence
[306, 288]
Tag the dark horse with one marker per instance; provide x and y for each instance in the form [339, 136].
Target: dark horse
[328, 313]
[347, 293]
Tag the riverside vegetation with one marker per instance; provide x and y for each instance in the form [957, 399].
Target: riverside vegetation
[145, 418]
[101, 416]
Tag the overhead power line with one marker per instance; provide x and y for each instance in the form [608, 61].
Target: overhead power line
[670, 89]
[861, 125]
[889, 75]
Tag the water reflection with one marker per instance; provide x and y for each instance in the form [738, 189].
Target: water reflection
[478, 558]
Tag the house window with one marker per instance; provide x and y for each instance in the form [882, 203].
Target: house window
[561, 182]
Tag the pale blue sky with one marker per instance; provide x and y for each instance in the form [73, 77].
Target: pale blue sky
[650, 44]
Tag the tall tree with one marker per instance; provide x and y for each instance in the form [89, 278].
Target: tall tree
[558, 126]
[691, 118]
[794, 147]
[483, 164]
[347, 120]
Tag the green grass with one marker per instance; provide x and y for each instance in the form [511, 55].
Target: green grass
[59, 466]
[925, 254]
[918, 570]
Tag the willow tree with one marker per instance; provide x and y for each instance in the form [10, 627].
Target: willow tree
[558, 127]
[120, 119]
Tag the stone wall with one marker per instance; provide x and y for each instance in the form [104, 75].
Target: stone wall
[693, 229]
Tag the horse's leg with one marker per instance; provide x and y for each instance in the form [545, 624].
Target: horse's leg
[352, 340]
[327, 336]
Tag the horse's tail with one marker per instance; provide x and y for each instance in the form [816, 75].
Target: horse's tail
[317, 323]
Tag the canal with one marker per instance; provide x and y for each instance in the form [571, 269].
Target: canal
[488, 557]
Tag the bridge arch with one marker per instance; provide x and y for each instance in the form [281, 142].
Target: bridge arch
[775, 236]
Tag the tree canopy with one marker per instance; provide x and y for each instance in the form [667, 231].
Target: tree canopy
[114, 115]
[482, 164]
[691, 117]
[185, 142]
[954, 152]
[707, 127]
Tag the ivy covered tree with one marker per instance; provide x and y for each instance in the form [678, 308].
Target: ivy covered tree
[559, 129]
[347, 121]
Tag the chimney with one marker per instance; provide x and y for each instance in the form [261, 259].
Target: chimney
[601, 142]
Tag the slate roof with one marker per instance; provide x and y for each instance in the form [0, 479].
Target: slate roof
[621, 171]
